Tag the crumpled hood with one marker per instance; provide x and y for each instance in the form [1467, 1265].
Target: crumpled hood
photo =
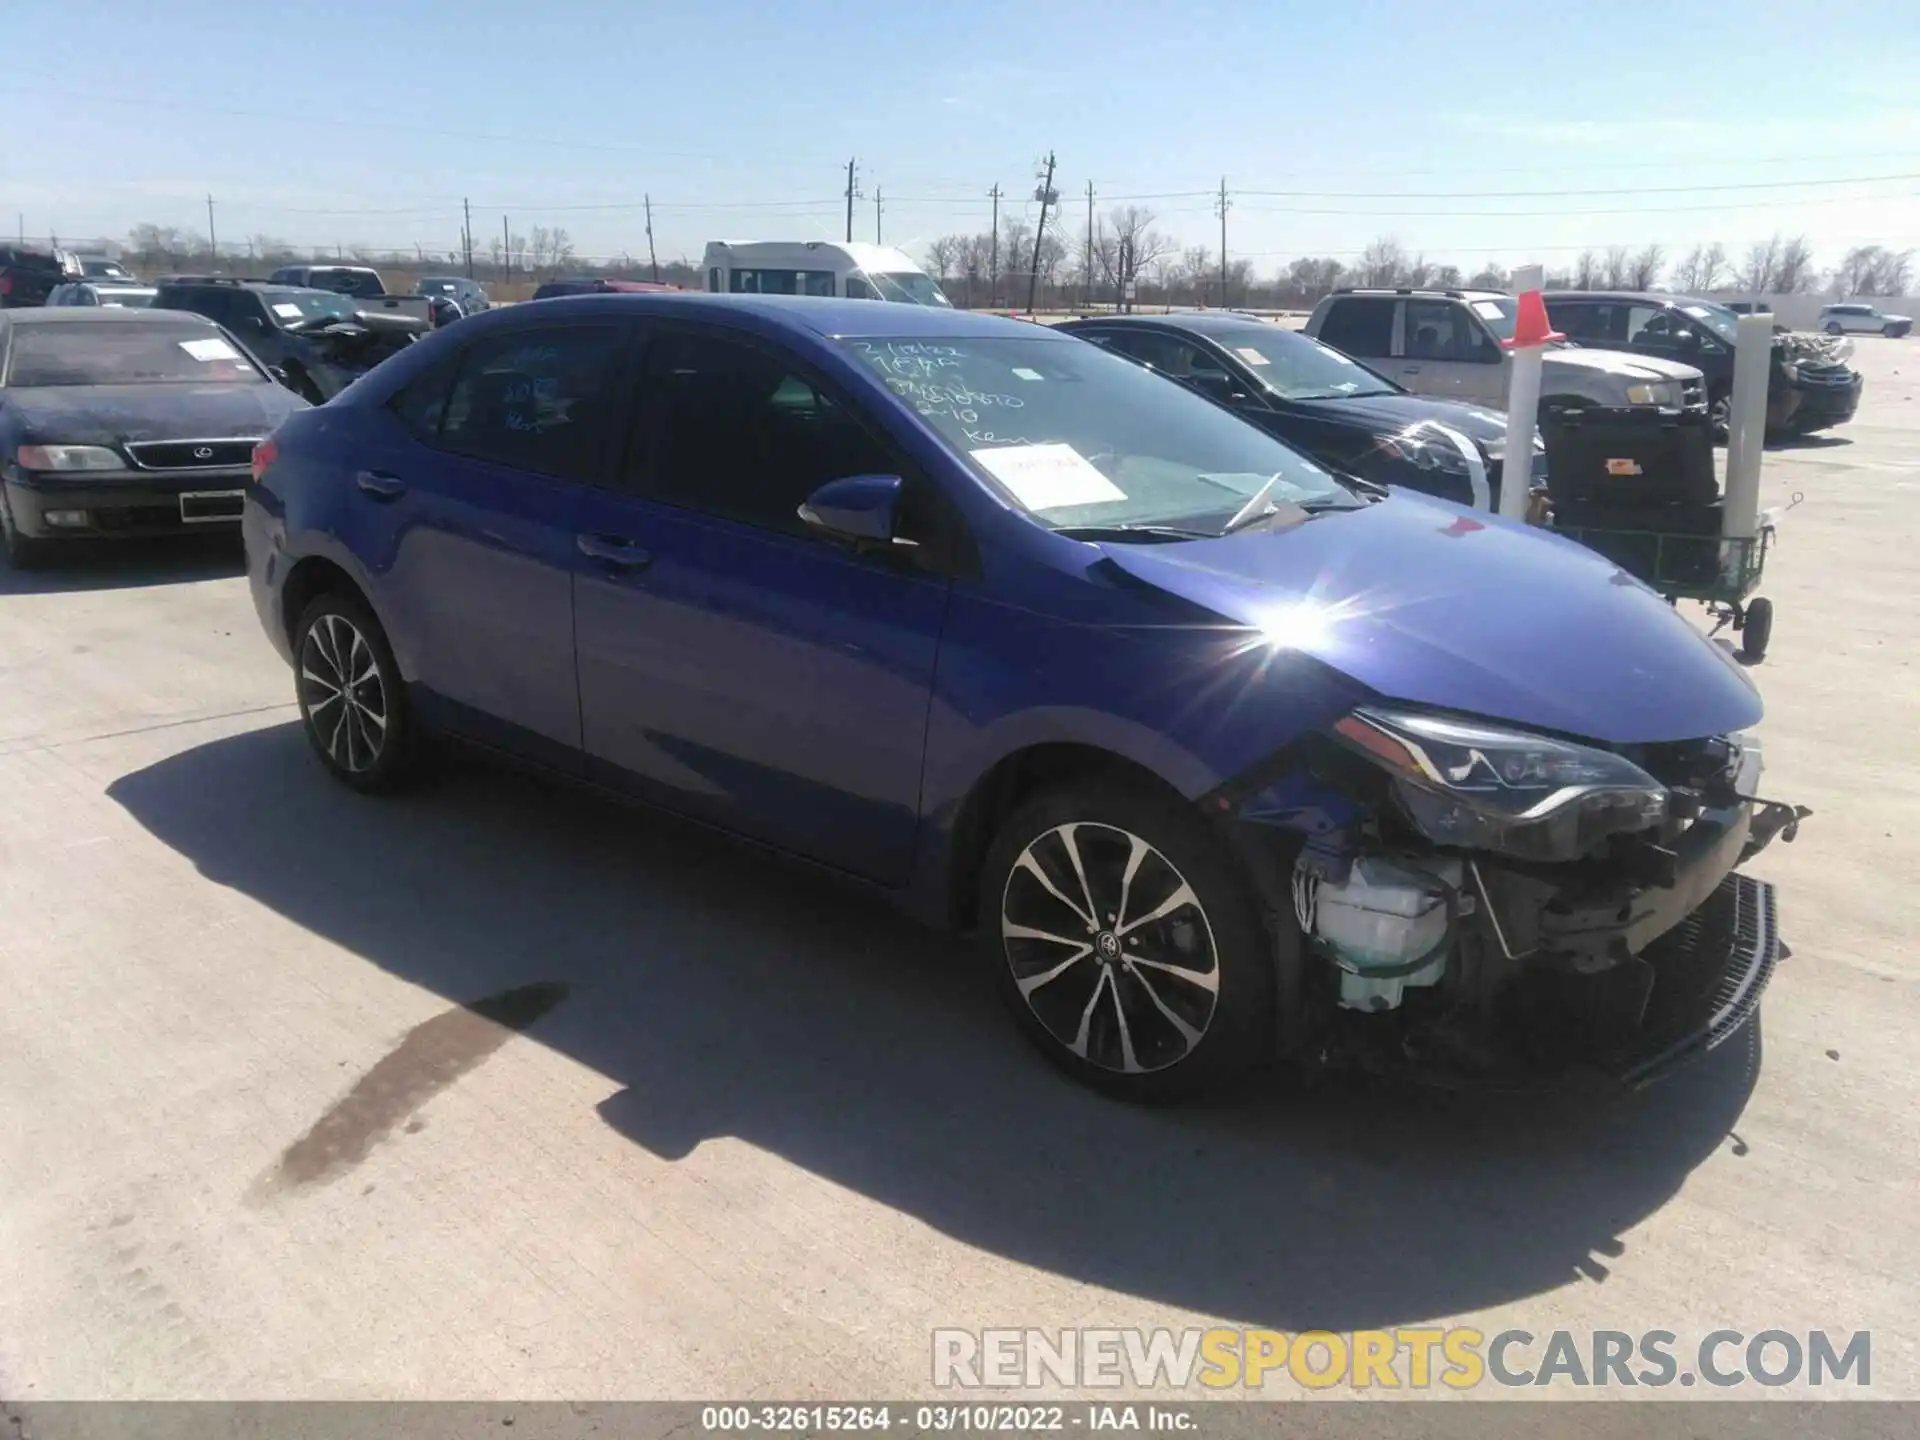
[1396, 412]
[1430, 603]
[106, 414]
[1620, 363]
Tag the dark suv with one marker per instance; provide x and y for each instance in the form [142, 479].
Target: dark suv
[1809, 388]
[27, 276]
[315, 342]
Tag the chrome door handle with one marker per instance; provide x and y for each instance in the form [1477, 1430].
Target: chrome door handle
[614, 551]
[380, 485]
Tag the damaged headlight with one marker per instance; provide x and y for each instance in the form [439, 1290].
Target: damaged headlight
[1473, 786]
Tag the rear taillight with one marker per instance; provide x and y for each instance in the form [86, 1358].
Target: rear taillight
[264, 454]
[6, 284]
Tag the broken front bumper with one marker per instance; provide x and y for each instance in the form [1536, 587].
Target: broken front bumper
[1713, 970]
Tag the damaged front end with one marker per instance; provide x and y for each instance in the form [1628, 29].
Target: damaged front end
[1477, 903]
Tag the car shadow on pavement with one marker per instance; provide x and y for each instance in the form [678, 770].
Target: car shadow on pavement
[127, 565]
[733, 995]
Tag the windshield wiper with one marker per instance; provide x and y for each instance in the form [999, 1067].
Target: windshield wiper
[1126, 533]
[1259, 505]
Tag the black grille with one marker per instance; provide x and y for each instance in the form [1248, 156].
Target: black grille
[1826, 379]
[1710, 971]
[192, 454]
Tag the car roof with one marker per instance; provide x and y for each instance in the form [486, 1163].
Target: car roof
[835, 318]
[1198, 322]
[105, 315]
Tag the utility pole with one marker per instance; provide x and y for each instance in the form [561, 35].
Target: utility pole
[466, 234]
[993, 250]
[876, 214]
[853, 193]
[1222, 208]
[1086, 302]
[652, 258]
[1046, 196]
[213, 245]
[506, 251]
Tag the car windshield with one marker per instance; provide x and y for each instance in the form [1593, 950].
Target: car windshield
[1298, 367]
[106, 269]
[909, 287]
[126, 354]
[1717, 318]
[126, 299]
[1082, 438]
[290, 307]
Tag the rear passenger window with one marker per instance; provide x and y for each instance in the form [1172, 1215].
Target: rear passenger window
[536, 399]
[1362, 326]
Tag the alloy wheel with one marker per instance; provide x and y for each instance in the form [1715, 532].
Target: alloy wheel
[1110, 948]
[343, 693]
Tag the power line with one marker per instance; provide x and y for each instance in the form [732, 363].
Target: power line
[1533, 194]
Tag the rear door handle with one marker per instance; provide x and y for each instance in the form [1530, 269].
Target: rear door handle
[380, 485]
[614, 551]
[1413, 369]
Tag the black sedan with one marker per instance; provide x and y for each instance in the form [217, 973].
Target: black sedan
[123, 423]
[1321, 402]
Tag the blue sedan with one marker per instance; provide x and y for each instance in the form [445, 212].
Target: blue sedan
[1222, 759]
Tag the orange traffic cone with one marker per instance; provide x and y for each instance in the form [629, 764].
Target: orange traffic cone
[1530, 325]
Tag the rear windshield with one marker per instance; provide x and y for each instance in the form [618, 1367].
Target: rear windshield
[130, 354]
[347, 282]
[130, 299]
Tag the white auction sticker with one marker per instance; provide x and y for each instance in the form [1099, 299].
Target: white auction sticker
[1048, 477]
[210, 349]
[1026, 374]
[287, 312]
[1251, 355]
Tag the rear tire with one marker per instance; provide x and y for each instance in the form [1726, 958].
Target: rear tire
[353, 703]
[1834, 327]
[1126, 944]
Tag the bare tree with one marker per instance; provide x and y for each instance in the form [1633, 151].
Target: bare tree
[1053, 255]
[1615, 267]
[1490, 277]
[1793, 272]
[1383, 262]
[1196, 273]
[1643, 271]
[1136, 245]
[941, 255]
[1586, 271]
[1016, 252]
[1895, 273]
[1756, 277]
[1446, 277]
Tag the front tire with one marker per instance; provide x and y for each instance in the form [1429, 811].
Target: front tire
[353, 703]
[1126, 943]
[24, 552]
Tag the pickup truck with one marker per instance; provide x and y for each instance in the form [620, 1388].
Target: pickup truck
[315, 342]
[362, 282]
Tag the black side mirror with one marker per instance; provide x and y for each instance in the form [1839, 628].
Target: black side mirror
[1687, 339]
[860, 509]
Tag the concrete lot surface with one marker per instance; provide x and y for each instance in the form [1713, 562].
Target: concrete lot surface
[493, 1091]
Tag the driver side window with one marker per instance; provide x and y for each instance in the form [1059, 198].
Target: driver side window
[736, 432]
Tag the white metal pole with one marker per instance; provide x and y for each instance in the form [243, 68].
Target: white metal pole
[1523, 410]
[1747, 427]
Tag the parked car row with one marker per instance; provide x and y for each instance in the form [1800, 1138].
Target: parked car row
[1222, 755]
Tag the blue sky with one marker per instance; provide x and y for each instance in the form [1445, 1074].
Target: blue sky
[1444, 126]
